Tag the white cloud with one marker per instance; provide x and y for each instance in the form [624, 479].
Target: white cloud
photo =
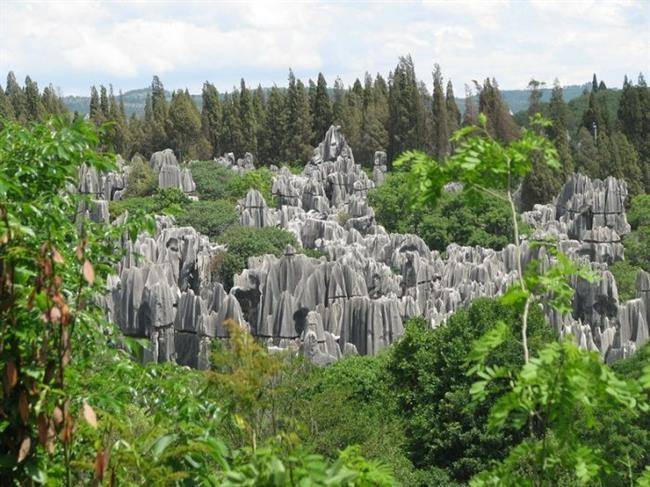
[84, 42]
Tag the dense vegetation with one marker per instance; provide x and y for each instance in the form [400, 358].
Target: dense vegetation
[492, 397]
[603, 132]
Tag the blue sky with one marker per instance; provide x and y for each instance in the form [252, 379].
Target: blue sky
[75, 44]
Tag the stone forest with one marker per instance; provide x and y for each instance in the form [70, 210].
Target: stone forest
[373, 284]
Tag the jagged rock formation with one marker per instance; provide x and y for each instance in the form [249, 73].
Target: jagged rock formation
[357, 297]
[170, 173]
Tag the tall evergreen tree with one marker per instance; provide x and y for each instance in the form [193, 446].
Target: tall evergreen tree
[592, 117]
[499, 120]
[406, 124]
[453, 113]
[33, 102]
[586, 158]
[594, 84]
[157, 134]
[541, 184]
[231, 133]
[439, 115]
[626, 163]
[275, 122]
[16, 96]
[184, 125]
[247, 121]
[211, 116]
[298, 134]
[322, 110]
[103, 103]
[6, 108]
[52, 103]
[470, 117]
[558, 132]
[95, 110]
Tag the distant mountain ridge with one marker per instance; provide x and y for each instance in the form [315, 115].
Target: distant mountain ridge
[134, 100]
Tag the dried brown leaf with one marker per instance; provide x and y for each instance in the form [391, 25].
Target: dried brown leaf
[11, 376]
[23, 407]
[89, 415]
[25, 446]
[88, 272]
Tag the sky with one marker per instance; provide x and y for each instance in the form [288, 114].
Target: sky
[75, 44]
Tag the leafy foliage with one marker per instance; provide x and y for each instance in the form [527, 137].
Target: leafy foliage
[142, 179]
[429, 378]
[215, 182]
[245, 242]
[457, 218]
[211, 218]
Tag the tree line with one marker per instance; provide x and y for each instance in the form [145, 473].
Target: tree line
[394, 114]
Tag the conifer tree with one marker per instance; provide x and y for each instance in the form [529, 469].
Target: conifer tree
[470, 117]
[558, 132]
[626, 163]
[439, 115]
[592, 117]
[16, 96]
[322, 110]
[248, 122]
[211, 116]
[594, 84]
[586, 158]
[95, 110]
[630, 115]
[298, 134]
[339, 107]
[500, 122]
[52, 104]
[406, 124]
[6, 108]
[184, 125]
[453, 113]
[157, 134]
[103, 103]
[275, 122]
[33, 102]
[541, 184]
[231, 134]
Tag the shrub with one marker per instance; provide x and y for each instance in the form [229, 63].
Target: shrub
[625, 275]
[245, 242]
[639, 212]
[211, 218]
[168, 201]
[142, 180]
[483, 221]
[215, 182]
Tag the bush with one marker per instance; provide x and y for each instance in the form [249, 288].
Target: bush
[168, 201]
[245, 242]
[456, 219]
[142, 180]
[215, 182]
[211, 218]
[639, 212]
[428, 370]
[625, 275]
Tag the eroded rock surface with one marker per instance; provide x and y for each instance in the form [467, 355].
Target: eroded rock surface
[356, 298]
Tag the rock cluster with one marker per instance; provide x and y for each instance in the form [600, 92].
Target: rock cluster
[356, 298]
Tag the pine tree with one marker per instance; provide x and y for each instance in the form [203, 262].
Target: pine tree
[630, 115]
[604, 156]
[439, 115]
[500, 123]
[247, 121]
[558, 132]
[211, 116]
[586, 158]
[275, 122]
[103, 103]
[601, 86]
[33, 104]
[95, 110]
[230, 133]
[184, 125]
[16, 96]
[298, 134]
[322, 110]
[594, 84]
[156, 130]
[470, 116]
[6, 108]
[541, 184]
[406, 124]
[453, 113]
[626, 164]
[52, 103]
[592, 118]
